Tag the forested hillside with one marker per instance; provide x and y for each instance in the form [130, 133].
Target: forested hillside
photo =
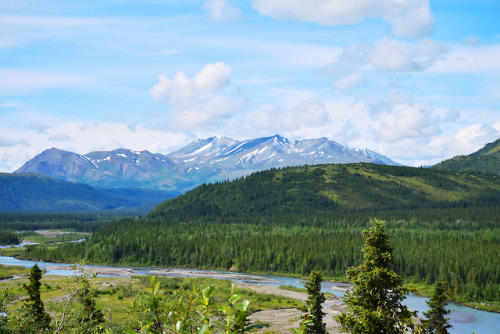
[486, 160]
[442, 225]
[349, 187]
[32, 192]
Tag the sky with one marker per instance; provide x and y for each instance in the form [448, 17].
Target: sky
[415, 80]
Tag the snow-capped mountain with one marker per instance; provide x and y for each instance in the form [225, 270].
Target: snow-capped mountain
[268, 152]
[204, 160]
[117, 168]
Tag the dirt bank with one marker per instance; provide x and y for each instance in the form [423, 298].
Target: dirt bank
[286, 320]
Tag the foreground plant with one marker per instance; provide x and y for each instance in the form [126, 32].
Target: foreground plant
[185, 312]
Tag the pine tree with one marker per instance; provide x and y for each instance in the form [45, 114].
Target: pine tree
[436, 321]
[374, 306]
[34, 303]
[313, 306]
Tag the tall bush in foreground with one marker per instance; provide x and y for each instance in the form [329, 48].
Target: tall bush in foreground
[374, 306]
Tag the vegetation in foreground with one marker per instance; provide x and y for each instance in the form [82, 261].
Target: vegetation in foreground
[114, 305]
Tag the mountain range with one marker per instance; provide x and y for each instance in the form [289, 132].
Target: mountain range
[204, 160]
[137, 181]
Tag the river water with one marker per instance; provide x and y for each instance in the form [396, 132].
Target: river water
[464, 320]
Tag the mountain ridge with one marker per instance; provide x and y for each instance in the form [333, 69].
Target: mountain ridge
[486, 159]
[203, 160]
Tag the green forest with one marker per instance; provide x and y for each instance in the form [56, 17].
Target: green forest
[443, 226]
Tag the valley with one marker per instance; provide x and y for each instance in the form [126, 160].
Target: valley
[287, 221]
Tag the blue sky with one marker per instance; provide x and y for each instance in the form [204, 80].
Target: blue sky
[415, 80]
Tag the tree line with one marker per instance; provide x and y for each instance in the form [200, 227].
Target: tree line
[425, 252]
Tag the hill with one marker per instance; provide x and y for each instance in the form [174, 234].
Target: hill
[205, 160]
[486, 160]
[341, 187]
[28, 192]
[33, 192]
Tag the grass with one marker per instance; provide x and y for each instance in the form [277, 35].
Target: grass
[11, 271]
[292, 288]
[37, 237]
[115, 295]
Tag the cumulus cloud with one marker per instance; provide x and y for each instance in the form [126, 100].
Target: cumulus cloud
[199, 100]
[409, 18]
[407, 120]
[397, 117]
[222, 11]
[387, 55]
[180, 88]
[277, 119]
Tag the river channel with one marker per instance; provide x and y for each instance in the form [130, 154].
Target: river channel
[465, 320]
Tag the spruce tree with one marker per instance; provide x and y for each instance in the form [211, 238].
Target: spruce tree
[313, 306]
[34, 303]
[374, 306]
[436, 321]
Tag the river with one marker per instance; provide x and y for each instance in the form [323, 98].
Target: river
[464, 320]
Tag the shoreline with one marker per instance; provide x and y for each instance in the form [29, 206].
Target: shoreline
[125, 271]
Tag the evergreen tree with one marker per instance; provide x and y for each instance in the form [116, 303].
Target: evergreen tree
[374, 306]
[436, 321]
[313, 306]
[34, 303]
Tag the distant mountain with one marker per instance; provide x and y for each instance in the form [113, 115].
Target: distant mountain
[486, 159]
[202, 161]
[221, 158]
[33, 192]
[119, 168]
[29, 192]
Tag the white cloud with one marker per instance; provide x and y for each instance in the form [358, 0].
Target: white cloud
[407, 120]
[410, 18]
[7, 142]
[308, 113]
[387, 55]
[39, 127]
[469, 59]
[197, 101]
[397, 117]
[222, 11]
[349, 81]
[180, 88]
